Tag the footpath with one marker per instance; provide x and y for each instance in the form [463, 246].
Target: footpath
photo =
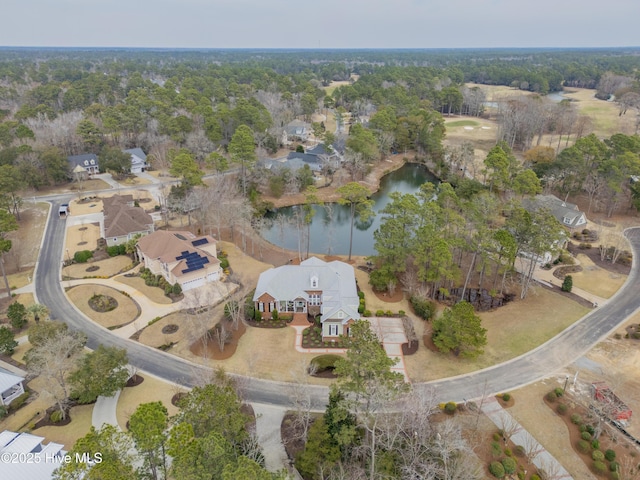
[541, 458]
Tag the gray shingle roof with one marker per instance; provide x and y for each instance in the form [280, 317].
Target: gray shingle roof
[336, 280]
[566, 213]
[80, 159]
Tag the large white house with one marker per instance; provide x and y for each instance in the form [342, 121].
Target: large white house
[312, 288]
[181, 257]
[138, 160]
[33, 459]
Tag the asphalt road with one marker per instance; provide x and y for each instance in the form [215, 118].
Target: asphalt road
[530, 367]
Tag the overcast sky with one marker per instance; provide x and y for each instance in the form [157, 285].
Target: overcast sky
[320, 24]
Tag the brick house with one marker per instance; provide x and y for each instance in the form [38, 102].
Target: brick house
[313, 288]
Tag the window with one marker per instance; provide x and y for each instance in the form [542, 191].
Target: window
[314, 282]
[314, 299]
[566, 220]
[93, 162]
[86, 162]
[261, 307]
[272, 306]
[333, 330]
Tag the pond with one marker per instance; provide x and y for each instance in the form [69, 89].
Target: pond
[330, 227]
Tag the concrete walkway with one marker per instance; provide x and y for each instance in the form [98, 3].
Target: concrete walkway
[107, 178]
[546, 276]
[148, 177]
[390, 332]
[149, 308]
[104, 411]
[504, 421]
[268, 422]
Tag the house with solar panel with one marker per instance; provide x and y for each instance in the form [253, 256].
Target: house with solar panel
[181, 257]
[313, 288]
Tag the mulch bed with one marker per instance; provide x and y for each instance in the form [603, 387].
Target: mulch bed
[175, 400]
[46, 420]
[562, 272]
[93, 268]
[326, 373]
[247, 409]
[268, 323]
[134, 381]
[510, 403]
[633, 331]
[212, 349]
[621, 446]
[291, 435]
[428, 342]
[594, 256]
[410, 348]
[572, 296]
[387, 298]
[103, 303]
[171, 328]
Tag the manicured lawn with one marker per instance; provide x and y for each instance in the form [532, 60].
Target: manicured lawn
[511, 331]
[106, 268]
[154, 294]
[125, 312]
[462, 123]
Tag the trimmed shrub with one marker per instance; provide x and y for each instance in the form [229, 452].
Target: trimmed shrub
[508, 452]
[450, 407]
[535, 476]
[610, 455]
[597, 455]
[258, 316]
[506, 397]
[600, 467]
[595, 444]
[56, 416]
[496, 449]
[567, 284]
[615, 476]
[509, 465]
[585, 436]
[116, 250]
[590, 428]
[379, 313]
[367, 313]
[583, 446]
[520, 451]
[558, 391]
[576, 419]
[423, 307]
[82, 256]
[4, 411]
[496, 469]
[176, 289]
[551, 397]
[19, 401]
[361, 295]
[274, 315]
[497, 437]
[562, 408]
[613, 465]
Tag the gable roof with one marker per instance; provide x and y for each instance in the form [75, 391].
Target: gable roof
[565, 212]
[335, 279]
[297, 127]
[190, 252]
[90, 158]
[137, 152]
[8, 380]
[121, 219]
[42, 465]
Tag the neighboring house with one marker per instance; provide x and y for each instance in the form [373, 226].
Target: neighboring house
[123, 221]
[316, 157]
[138, 160]
[312, 288]
[11, 386]
[88, 161]
[566, 213]
[34, 460]
[295, 131]
[181, 257]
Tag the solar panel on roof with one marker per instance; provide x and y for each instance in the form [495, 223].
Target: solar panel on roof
[201, 241]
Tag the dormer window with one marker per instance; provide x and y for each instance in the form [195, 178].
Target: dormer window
[314, 282]
[93, 162]
[86, 162]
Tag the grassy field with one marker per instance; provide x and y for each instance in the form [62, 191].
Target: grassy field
[125, 312]
[151, 390]
[511, 331]
[462, 123]
[106, 268]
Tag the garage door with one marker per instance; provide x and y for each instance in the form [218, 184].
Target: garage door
[193, 284]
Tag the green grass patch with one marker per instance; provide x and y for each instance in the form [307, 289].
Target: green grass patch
[462, 123]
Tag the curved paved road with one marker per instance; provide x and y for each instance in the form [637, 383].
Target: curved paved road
[539, 363]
